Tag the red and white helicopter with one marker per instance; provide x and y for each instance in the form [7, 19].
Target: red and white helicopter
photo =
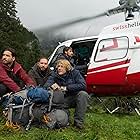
[113, 59]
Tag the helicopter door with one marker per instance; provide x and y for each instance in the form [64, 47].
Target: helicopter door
[108, 66]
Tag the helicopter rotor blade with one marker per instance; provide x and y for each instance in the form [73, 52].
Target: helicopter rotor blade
[75, 21]
[116, 10]
[109, 12]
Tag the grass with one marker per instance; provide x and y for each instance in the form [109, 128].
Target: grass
[98, 126]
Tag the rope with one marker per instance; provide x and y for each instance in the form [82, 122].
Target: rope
[11, 125]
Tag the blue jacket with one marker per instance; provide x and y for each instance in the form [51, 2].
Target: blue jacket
[73, 81]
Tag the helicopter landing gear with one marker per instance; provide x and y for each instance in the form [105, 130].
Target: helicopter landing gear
[121, 104]
[110, 104]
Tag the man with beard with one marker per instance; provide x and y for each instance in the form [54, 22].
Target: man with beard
[40, 71]
[69, 55]
[12, 76]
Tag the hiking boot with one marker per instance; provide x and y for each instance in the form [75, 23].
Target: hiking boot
[78, 125]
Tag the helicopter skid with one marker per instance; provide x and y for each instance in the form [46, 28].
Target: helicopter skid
[120, 104]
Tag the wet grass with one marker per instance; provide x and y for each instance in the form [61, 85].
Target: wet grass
[99, 125]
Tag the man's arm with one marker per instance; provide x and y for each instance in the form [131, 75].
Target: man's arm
[7, 81]
[50, 81]
[78, 83]
[31, 74]
[25, 77]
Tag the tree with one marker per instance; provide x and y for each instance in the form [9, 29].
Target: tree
[14, 34]
[7, 9]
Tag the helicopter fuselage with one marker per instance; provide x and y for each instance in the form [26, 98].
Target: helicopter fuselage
[115, 63]
[113, 59]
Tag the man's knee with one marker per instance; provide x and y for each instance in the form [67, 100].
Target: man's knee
[83, 94]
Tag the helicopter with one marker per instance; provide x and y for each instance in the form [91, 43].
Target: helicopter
[112, 58]
[128, 7]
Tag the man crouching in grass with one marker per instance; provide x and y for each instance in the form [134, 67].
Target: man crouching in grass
[68, 79]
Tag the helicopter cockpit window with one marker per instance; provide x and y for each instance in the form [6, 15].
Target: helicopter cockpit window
[114, 48]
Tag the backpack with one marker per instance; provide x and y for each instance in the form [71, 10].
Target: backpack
[38, 95]
[32, 94]
[31, 111]
[57, 118]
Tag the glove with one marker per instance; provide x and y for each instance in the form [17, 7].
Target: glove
[55, 86]
[63, 88]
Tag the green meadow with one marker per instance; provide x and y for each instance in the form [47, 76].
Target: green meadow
[99, 125]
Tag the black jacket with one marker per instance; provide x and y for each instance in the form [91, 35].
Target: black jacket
[63, 56]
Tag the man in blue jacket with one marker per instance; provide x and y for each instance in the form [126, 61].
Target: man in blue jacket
[68, 79]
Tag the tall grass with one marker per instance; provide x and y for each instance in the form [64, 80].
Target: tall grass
[99, 125]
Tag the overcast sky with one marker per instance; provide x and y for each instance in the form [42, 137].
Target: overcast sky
[41, 13]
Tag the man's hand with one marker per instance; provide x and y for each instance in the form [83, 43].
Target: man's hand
[55, 86]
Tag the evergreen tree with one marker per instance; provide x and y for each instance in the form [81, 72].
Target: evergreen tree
[7, 9]
[14, 34]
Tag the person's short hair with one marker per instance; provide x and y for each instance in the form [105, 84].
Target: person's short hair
[42, 57]
[66, 49]
[13, 52]
[65, 63]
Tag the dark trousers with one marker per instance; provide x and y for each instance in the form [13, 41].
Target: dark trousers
[80, 103]
[3, 90]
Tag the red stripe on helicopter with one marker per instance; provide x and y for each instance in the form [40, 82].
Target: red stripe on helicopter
[137, 38]
[115, 45]
[109, 65]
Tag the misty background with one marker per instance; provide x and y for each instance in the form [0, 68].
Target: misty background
[40, 16]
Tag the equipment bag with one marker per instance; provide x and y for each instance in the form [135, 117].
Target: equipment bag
[27, 112]
[18, 107]
[38, 95]
[57, 118]
[56, 98]
[32, 94]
